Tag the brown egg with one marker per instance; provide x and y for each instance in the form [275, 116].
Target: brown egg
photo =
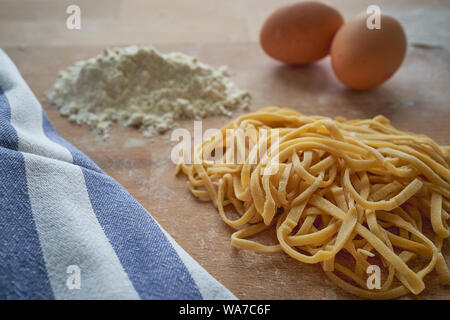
[363, 58]
[300, 33]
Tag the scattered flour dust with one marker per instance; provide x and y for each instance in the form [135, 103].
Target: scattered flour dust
[141, 87]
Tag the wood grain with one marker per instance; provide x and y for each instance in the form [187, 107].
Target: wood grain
[416, 99]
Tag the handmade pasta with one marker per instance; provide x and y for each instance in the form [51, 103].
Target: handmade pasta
[348, 194]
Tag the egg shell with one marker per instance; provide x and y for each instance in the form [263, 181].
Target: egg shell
[300, 33]
[363, 58]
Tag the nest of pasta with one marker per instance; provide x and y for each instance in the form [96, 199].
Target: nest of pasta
[348, 194]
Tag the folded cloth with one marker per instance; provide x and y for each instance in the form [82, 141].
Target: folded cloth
[67, 229]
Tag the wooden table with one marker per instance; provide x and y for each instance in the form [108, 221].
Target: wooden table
[417, 99]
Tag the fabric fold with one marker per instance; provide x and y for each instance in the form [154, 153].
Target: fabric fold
[59, 210]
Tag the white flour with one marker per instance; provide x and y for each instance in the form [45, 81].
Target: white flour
[138, 86]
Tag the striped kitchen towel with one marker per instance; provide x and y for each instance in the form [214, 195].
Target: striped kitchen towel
[68, 230]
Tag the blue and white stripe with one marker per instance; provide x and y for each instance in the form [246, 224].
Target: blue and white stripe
[57, 208]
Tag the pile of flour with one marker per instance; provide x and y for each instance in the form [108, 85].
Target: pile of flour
[141, 87]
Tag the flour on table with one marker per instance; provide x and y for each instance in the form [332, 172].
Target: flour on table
[141, 87]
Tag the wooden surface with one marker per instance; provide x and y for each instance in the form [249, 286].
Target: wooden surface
[417, 99]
